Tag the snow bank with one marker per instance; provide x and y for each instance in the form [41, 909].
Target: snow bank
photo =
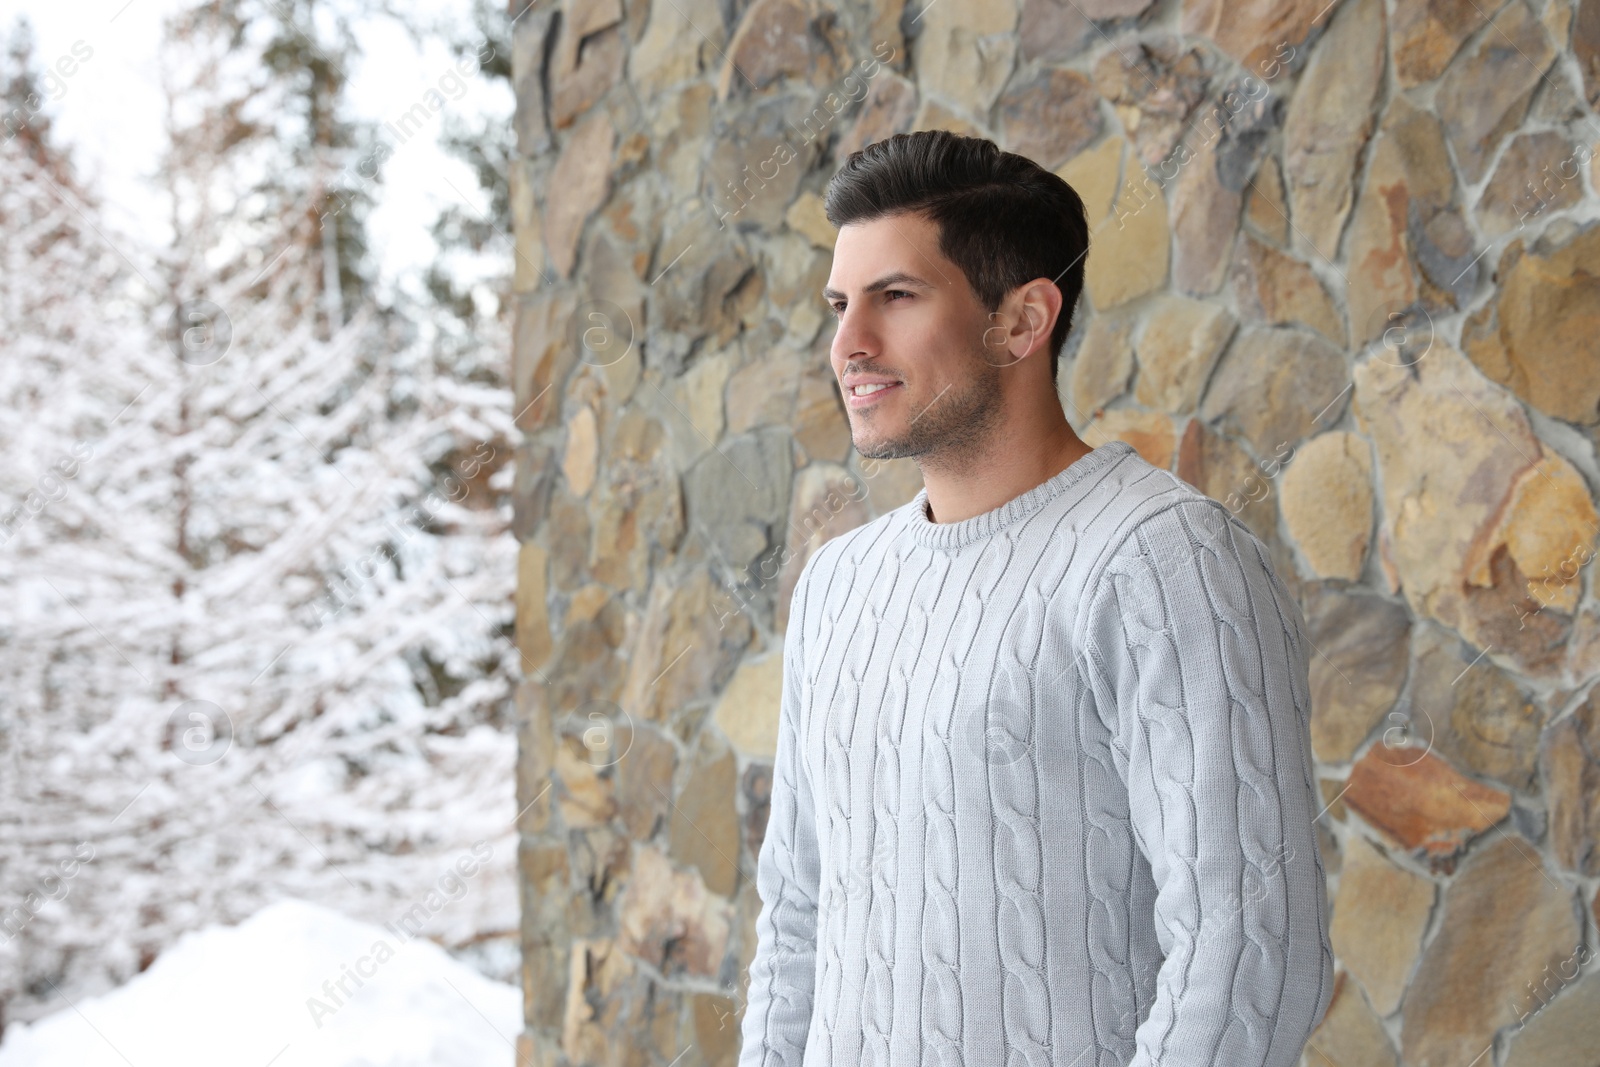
[268, 992]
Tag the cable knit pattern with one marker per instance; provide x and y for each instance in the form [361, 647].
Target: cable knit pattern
[1043, 792]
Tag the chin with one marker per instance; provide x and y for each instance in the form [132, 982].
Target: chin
[879, 447]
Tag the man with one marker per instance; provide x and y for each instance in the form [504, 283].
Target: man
[1043, 790]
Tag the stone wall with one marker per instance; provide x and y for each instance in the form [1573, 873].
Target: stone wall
[1344, 278]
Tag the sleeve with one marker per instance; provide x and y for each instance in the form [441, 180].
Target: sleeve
[777, 1012]
[1199, 671]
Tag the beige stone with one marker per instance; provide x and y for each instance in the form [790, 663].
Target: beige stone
[1093, 174]
[533, 619]
[1205, 219]
[771, 42]
[755, 785]
[1266, 207]
[703, 829]
[1274, 387]
[1586, 48]
[1451, 448]
[647, 761]
[1359, 668]
[1560, 1026]
[807, 217]
[1100, 371]
[1326, 494]
[1329, 120]
[1128, 256]
[753, 168]
[578, 461]
[1152, 433]
[1548, 529]
[717, 1029]
[796, 271]
[578, 186]
[1539, 173]
[1153, 84]
[686, 648]
[1379, 918]
[936, 115]
[1570, 754]
[1583, 648]
[637, 507]
[762, 392]
[527, 229]
[586, 797]
[1485, 93]
[695, 411]
[1537, 337]
[529, 37]
[1505, 922]
[1408, 245]
[887, 109]
[736, 497]
[1177, 350]
[681, 39]
[1426, 34]
[667, 918]
[747, 712]
[1254, 31]
[1350, 1034]
[587, 59]
[1050, 117]
[1279, 289]
[542, 355]
[596, 970]
[1480, 719]
[1054, 29]
[965, 50]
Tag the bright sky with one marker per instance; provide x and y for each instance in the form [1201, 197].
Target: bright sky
[110, 111]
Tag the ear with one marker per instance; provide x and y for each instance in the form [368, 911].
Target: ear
[1022, 326]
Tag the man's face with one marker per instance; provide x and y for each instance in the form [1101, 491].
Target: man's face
[910, 323]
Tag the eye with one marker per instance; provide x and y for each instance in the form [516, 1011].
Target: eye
[891, 292]
[838, 308]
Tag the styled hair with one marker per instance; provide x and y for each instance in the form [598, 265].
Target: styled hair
[1002, 218]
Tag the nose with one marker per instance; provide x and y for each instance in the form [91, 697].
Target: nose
[853, 339]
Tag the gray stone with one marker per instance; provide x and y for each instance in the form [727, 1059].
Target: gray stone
[738, 495]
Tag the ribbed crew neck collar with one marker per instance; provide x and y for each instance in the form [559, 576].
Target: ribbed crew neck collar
[954, 535]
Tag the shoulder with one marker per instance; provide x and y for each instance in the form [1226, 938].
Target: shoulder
[1151, 511]
[1162, 533]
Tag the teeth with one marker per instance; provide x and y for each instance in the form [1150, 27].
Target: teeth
[863, 390]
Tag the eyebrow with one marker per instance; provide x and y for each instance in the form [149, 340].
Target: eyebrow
[899, 277]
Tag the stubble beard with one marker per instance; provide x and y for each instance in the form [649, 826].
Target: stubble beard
[952, 428]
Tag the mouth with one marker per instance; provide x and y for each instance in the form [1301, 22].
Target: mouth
[862, 396]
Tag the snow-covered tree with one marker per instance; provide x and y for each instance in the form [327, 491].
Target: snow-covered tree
[256, 585]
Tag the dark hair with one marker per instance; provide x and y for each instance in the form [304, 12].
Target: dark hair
[1002, 218]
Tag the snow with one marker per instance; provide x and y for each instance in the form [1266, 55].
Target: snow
[266, 992]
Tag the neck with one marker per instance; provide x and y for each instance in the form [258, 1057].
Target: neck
[1022, 454]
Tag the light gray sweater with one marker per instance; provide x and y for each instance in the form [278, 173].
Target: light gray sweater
[1043, 792]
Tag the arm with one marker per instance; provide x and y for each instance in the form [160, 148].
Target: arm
[777, 1012]
[1198, 665]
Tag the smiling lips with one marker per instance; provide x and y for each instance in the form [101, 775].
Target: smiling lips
[864, 394]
